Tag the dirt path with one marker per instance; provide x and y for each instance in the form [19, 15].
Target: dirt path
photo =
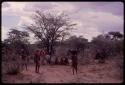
[63, 74]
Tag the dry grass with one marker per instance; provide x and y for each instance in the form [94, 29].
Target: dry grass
[90, 73]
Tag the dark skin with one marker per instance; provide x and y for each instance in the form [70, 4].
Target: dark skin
[37, 61]
[24, 58]
[37, 68]
[74, 64]
[74, 60]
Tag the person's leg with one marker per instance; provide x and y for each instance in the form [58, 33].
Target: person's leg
[76, 69]
[36, 68]
[22, 66]
[26, 66]
[73, 69]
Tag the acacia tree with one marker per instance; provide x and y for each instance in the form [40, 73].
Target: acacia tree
[116, 35]
[49, 28]
[17, 40]
[118, 38]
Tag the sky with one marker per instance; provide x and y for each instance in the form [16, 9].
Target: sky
[92, 18]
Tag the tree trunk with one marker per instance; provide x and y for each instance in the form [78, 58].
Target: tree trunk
[51, 51]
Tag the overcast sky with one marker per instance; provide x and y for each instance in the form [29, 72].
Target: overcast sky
[92, 18]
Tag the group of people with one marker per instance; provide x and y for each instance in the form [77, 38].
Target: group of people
[37, 57]
[40, 54]
[62, 61]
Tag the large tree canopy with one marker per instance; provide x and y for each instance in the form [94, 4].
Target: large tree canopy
[49, 28]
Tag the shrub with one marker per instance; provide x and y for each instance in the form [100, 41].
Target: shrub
[13, 69]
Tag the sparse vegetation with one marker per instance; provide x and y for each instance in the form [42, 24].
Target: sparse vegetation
[50, 31]
[13, 69]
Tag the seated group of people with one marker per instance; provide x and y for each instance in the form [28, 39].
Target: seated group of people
[63, 61]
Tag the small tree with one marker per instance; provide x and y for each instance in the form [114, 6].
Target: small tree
[117, 39]
[16, 41]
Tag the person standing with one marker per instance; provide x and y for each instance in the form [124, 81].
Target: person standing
[37, 60]
[74, 60]
[24, 58]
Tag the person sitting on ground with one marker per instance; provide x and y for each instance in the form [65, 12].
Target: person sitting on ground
[66, 61]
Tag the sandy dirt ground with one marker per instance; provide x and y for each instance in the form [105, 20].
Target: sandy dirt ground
[95, 73]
